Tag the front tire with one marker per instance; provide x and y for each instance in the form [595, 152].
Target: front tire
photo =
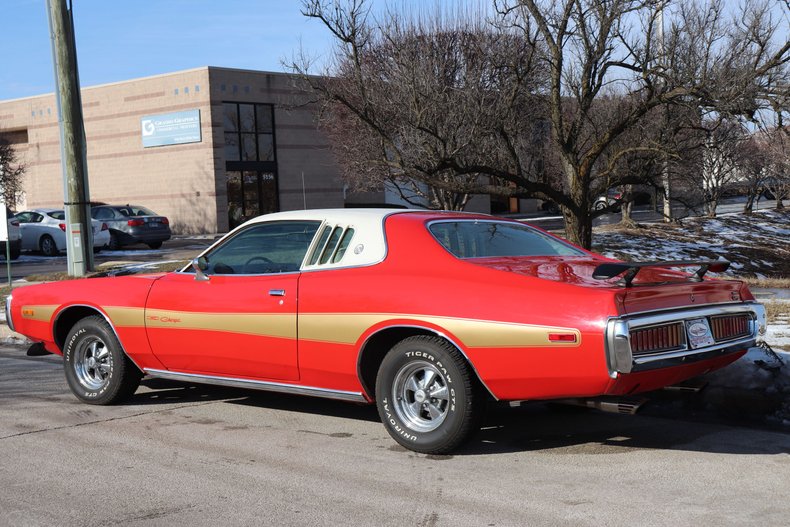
[97, 369]
[426, 395]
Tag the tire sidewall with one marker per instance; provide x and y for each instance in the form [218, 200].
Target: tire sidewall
[48, 246]
[78, 335]
[407, 353]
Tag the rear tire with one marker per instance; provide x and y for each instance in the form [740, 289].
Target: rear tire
[115, 243]
[426, 395]
[154, 245]
[97, 370]
[48, 246]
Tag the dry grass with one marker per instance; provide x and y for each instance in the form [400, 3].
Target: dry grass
[767, 283]
[777, 312]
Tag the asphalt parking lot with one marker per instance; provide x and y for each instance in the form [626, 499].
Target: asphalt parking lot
[192, 455]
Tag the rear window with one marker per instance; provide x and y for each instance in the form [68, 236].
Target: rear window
[491, 239]
[58, 215]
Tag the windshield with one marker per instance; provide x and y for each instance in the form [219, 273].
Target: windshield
[491, 239]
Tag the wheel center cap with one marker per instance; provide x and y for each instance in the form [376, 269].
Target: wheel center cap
[91, 362]
[420, 396]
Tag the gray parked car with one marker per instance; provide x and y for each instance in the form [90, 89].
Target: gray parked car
[130, 224]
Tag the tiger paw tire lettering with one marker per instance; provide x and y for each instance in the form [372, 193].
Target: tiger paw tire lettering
[426, 395]
[97, 370]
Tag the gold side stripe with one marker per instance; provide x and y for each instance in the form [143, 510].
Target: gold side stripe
[347, 328]
[339, 328]
[126, 316]
[39, 313]
[260, 324]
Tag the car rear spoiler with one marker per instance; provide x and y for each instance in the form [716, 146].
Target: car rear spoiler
[612, 269]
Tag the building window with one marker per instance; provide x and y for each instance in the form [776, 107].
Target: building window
[250, 167]
[249, 132]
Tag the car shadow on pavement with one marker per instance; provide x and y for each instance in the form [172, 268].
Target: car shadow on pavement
[546, 428]
[536, 427]
[162, 391]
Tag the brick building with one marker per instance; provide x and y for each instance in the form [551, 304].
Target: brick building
[207, 147]
[252, 147]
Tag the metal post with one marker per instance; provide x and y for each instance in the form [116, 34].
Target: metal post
[665, 181]
[79, 237]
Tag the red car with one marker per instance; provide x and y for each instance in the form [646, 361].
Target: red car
[427, 314]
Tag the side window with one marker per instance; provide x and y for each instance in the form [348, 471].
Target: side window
[343, 245]
[24, 217]
[265, 248]
[331, 245]
[320, 245]
[102, 214]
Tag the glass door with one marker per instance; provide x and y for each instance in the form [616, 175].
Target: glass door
[250, 193]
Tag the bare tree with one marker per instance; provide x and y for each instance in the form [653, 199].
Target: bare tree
[542, 101]
[775, 148]
[11, 173]
[611, 48]
[436, 108]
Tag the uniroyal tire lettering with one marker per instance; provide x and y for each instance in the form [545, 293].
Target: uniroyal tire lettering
[394, 424]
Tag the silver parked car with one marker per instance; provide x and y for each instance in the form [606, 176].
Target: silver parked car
[45, 230]
[130, 224]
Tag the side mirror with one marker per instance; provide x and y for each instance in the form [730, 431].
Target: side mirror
[200, 265]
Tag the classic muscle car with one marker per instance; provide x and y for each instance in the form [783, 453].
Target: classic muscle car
[429, 315]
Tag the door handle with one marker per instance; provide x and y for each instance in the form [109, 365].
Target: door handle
[276, 292]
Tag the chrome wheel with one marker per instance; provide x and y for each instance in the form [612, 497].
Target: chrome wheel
[92, 363]
[420, 395]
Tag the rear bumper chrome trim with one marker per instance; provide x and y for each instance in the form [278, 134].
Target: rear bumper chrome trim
[258, 385]
[620, 358]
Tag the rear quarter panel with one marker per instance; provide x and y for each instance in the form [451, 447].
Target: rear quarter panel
[498, 319]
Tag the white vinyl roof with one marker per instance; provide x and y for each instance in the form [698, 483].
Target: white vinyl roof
[368, 244]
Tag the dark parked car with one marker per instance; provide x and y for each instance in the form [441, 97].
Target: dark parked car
[130, 224]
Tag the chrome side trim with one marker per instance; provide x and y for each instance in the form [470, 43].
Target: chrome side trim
[9, 320]
[430, 330]
[618, 346]
[311, 391]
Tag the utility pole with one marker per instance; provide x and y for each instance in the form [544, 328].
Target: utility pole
[73, 159]
[665, 181]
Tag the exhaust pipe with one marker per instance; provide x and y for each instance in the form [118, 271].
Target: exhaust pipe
[615, 405]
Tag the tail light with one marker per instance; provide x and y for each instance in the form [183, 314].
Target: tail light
[165, 221]
[104, 226]
[135, 223]
[62, 226]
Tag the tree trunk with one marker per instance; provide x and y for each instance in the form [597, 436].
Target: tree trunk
[625, 213]
[578, 229]
[711, 206]
[748, 207]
